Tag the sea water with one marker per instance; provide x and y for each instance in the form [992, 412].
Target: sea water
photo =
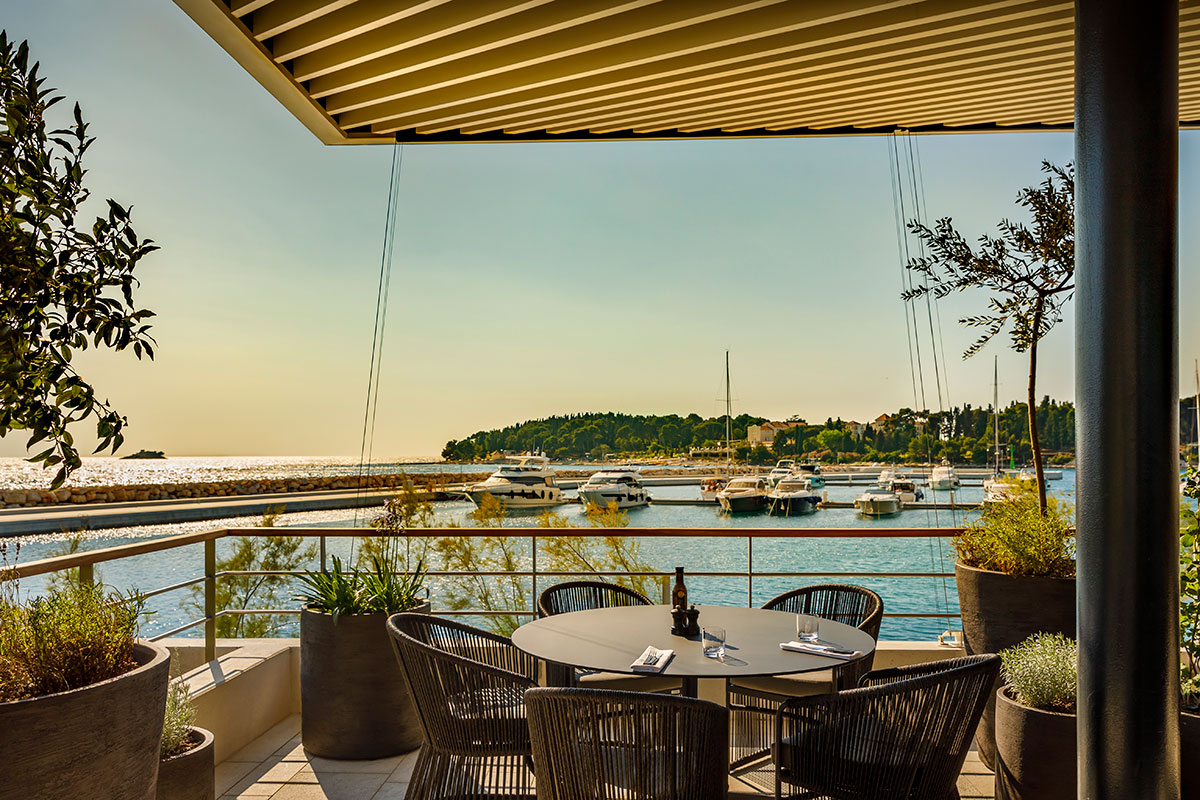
[730, 553]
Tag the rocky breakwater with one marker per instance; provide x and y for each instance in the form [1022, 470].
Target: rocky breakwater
[15, 498]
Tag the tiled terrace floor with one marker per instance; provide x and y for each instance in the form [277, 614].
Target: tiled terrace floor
[275, 766]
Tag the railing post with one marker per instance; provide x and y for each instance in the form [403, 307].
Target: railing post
[87, 574]
[210, 599]
[533, 597]
[750, 571]
[322, 552]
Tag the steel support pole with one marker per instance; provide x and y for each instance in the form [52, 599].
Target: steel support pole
[1126, 392]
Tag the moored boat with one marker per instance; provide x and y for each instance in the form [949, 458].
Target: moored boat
[615, 485]
[906, 490]
[792, 496]
[944, 478]
[712, 487]
[813, 472]
[743, 495]
[878, 503]
[521, 482]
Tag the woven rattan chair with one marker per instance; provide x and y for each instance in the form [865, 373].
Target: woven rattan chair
[563, 598]
[754, 701]
[468, 687]
[594, 744]
[903, 736]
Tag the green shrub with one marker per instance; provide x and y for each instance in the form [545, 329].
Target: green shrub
[1189, 590]
[341, 591]
[76, 635]
[1042, 672]
[1015, 538]
[178, 720]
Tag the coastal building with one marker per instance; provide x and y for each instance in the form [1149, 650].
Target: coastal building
[765, 433]
[855, 429]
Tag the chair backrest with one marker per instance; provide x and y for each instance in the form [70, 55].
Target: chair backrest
[467, 684]
[850, 605]
[595, 744]
[563, 598]
[910, 727]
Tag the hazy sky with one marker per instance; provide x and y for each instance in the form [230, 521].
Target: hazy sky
[528, 279]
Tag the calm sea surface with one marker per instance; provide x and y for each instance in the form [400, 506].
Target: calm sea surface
[726, 554]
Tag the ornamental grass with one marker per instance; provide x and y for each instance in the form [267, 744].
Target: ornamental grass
[76, 635]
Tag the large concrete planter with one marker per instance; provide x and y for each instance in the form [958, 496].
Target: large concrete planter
[999, 611]
[1189, 756]
[191, 774]
[353, 701]
[1035, 752]
[99, 742]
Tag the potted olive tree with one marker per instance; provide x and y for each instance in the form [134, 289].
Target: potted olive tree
[1035, 720]
[1015, 572]
[353, 702]
[186, 769]
[81, 699]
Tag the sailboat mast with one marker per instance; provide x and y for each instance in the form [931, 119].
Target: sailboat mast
[728, 414]
[996, 408]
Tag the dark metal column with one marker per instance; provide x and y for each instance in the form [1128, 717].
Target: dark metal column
[1126, 148]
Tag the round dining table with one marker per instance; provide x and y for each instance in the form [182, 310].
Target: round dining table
[610, 639]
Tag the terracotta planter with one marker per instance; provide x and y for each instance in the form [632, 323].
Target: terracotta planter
[999, 611]
[353, 701]
[1035, 752]
[100, 742]
[189, 775]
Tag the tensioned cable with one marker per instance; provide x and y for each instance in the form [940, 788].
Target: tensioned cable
[937, 304]
[920, 217]
[893, 170]
[366, 447]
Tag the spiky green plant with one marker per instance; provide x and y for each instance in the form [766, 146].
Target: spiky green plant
[339, 590]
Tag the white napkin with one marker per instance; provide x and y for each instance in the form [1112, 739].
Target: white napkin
[813, 648]
[643, 662]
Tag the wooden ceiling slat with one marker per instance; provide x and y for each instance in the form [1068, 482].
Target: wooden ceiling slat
[412, 32]
[816, 85]
[897, 51]
[632, 64]
[497, 70]
[344, 24]
[932, 97]
[288, 14]
[517, 32]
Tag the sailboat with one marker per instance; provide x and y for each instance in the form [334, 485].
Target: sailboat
[996, 489]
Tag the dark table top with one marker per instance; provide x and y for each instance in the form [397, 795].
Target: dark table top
[609, 639]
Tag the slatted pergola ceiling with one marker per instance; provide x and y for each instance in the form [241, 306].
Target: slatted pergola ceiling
[362, 71]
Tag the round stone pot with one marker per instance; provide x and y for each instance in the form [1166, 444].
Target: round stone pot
[1189, 756]
[353, 701]
[999, 611]
[1035, 752]
[189, 775]
[99, 741]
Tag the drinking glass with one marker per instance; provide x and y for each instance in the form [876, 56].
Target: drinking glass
[712, 640]
[808, 627]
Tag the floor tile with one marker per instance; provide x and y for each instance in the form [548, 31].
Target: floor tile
[230, 772]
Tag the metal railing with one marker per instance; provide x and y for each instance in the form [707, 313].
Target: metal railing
[85, 562]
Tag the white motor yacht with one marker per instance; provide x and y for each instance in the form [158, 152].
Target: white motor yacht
[520, 482]
[878, 503]
[997, 489]
[712, 487]
[778, 474]
[944, 478]
[619, 485]
[906, 490]
[885, 477]
[792, 496]
[744, 494]
[813, 472]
